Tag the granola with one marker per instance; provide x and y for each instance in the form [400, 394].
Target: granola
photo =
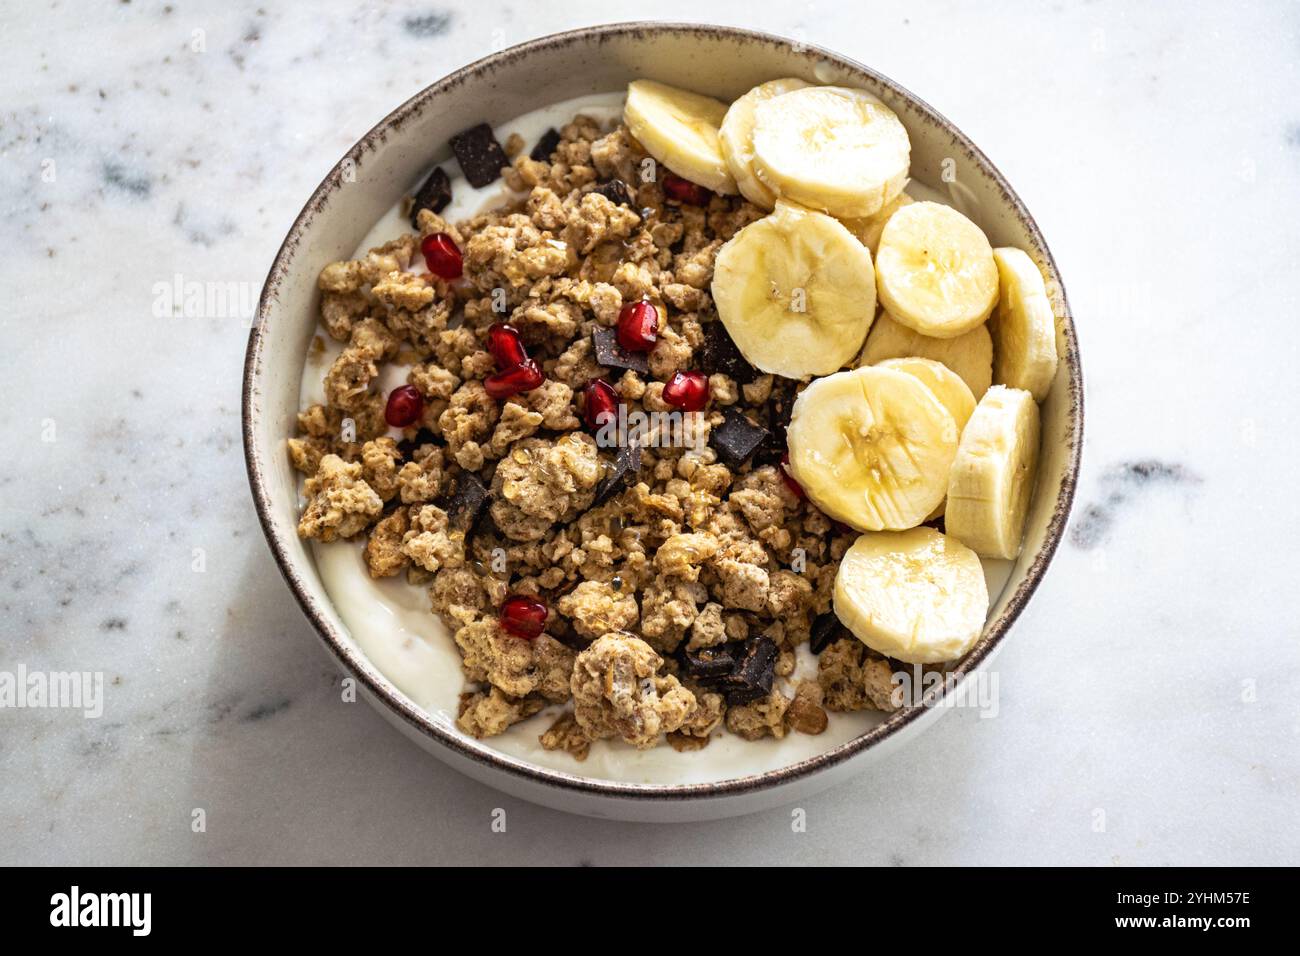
[656, 567]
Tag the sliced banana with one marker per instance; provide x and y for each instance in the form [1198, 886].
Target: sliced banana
[947, 386]
[935, 270]
[831, 148]
[992, 476]
[796, 292]
[917, 596]
[680, 130]
[969, 355]
[737, 138]
[872, 448]
[868, 229]
[1023, 326]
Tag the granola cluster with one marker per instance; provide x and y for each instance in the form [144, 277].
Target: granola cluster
[652, 591]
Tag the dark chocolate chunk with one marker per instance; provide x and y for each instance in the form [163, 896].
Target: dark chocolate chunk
[720, 356]
[434, 194]
[745, 696]
[755, 668]
[612, 355]
[480, 156]
[824, 631]
[708, 663]
[466, 502]
[624, 468]
[615, 191]
[545, 146]
[737, 437]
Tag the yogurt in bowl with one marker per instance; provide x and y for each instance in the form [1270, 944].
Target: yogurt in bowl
[382, 631]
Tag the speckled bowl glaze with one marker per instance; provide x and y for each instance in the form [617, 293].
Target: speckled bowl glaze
[386, 164]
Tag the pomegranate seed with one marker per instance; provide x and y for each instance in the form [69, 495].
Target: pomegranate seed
[405, 405]
[688, 391]
[506, 346]
[638, 326]
[442, 255]
[795, 488]
[683, 190]
[600, 403]
[522, 378]
[523, 616]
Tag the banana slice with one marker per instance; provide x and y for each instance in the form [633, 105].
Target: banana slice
[947, 386]
[992, 476]
[796, 291]
[969, 355]
[917, 596]
[831, 148]
[868, 230]
[872, 448]
[1023, 326]
[935, 270]
[737, 138]
[680, 130]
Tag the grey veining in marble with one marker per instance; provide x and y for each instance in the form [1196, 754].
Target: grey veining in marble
[1150, 708]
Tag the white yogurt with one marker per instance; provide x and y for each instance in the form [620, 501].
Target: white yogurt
[391, 621]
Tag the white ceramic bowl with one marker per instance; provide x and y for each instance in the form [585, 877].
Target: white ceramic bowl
[387, 163]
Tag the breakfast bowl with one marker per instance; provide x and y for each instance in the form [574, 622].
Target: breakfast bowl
[396, 673]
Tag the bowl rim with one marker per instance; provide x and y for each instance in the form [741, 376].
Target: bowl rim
[419, 720]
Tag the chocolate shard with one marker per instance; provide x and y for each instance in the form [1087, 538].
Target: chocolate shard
[466, 502]
[612, 355]
[615, 191]
[480, 156]
[745, 696]
[825, 630]
[720, 356]
[623, 469]
[545, 146]
[737, 437]
[434, 195]
[755, 669]
[708, 663]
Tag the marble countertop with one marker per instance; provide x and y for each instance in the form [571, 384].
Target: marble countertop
[1150, 699]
